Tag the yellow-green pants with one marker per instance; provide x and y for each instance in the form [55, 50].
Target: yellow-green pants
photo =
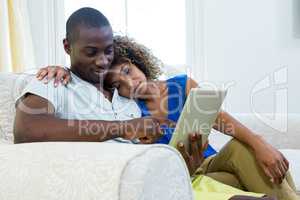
[235, 165]
[206, 188]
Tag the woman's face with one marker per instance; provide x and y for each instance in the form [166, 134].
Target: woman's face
[130, 81]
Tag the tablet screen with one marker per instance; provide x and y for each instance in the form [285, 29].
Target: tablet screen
[198, 115]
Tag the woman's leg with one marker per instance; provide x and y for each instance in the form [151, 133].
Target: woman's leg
[237, 159]
[227, 178]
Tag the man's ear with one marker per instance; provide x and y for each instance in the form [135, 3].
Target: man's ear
[67, 46]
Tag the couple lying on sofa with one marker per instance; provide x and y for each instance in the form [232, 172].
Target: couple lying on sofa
[113, 84]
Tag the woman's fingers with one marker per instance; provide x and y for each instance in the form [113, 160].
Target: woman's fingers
[201, 146]
[279, 169]
[268, 173]
[199, 142]
[277, 176]
[67, 79]
[41, 74]
[181, 148]
[283, 170]
[59, 78]
[279, 173]
[51, 74]
[195, 150]
[285, 162]
[283, 166]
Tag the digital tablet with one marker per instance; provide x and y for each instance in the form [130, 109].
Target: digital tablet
[198, 115]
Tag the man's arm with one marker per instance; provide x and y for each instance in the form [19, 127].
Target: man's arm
[35, 122]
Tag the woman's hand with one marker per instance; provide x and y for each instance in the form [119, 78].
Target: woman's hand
[195, 158]
[273, 162]
[60, 74]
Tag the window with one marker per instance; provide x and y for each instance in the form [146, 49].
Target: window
[159, 25]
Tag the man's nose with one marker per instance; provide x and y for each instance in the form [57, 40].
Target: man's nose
[102, 61]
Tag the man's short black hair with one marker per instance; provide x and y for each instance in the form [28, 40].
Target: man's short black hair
[88, 17]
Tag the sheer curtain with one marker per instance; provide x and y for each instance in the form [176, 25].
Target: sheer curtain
[16, 49]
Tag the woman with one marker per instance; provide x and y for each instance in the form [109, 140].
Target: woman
[250, 164]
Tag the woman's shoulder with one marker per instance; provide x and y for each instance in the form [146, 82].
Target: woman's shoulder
[185, 82]
[179, 77]
[177, 84]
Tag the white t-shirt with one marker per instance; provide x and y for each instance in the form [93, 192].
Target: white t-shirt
[81, 100]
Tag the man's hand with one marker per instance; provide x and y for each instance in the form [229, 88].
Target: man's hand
[273, 163]
[147, 129]
[195, 158]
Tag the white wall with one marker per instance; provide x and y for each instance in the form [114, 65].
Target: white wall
[245, 41]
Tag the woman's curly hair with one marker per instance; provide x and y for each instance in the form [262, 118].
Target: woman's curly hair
[126, 49]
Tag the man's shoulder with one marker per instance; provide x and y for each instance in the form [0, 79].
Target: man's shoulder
[44, 90]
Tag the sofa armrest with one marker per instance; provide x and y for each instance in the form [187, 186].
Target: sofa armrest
[77, 170]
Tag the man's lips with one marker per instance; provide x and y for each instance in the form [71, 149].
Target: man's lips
[100, 71]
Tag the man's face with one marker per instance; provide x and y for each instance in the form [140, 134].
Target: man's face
[91, 53]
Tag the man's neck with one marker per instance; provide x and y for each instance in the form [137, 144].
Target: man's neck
[108, 94]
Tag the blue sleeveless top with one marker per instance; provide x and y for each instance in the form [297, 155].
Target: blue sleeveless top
[176, 99]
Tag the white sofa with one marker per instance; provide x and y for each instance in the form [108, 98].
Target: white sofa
[82, 170]
[63, 170]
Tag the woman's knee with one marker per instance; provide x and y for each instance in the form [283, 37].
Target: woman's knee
[236, 148]
[233, 145]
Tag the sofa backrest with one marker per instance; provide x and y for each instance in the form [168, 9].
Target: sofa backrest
[11, 86]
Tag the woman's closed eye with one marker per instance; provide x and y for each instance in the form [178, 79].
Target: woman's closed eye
[126, 70]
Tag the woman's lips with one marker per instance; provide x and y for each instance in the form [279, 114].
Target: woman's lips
[139, 89]
[136, 88]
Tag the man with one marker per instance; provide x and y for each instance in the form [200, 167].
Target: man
[83, 111]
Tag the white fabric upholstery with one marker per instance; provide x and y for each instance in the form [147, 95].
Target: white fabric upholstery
[153, 185]
[107, 171]
[11, 85]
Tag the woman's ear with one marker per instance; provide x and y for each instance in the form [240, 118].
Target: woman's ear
[67, 46]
